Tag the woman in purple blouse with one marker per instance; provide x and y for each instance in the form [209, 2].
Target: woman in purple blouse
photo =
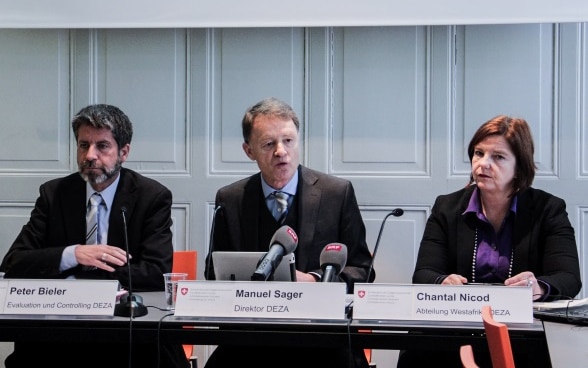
[498, 229]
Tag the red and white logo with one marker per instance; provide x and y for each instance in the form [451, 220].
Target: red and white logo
[293, 234]
[361, 293]
[334, 247]
[184, 290]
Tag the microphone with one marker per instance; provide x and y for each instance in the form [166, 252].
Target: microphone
[397, 212]
[211, 242]
[293, 268]
[333, 259]
[283, 242]
[130, 305]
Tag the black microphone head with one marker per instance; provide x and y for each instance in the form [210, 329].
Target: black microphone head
[334, 254]
[131, 298]
[286, 237]
[397, 212]
[123, 210]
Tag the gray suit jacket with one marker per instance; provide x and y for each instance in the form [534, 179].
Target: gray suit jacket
[327, 213]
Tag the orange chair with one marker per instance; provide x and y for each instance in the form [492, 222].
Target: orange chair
[466, 353]
[498, 340]
[368, 351]
[186, 261]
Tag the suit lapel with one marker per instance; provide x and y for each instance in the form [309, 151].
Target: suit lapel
[308, 210]
[73, 200]
[521, 236]
[250, 211]
[466, 234]
[126, 196]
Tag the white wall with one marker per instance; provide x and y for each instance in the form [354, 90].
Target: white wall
[390, 108]
[266, 13]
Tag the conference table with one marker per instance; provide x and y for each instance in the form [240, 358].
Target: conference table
[161, 325]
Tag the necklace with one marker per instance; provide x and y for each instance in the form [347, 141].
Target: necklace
[474, 258]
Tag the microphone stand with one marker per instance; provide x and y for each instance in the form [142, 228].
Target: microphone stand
[397, 212]
[131, 306]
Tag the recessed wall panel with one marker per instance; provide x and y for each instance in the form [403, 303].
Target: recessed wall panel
[180, 227]
[399, 241]
[34, 87]
[13, 216]
[507, 69]
[380, 89]
[144, 73]
[249, 65]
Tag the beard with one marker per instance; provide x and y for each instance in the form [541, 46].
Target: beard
[105, 174]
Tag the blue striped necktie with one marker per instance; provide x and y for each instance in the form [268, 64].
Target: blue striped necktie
[92, 222]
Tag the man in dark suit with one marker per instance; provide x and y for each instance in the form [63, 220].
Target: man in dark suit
[321, 209]
[53, 244]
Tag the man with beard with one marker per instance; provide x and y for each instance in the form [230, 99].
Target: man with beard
[54, 243]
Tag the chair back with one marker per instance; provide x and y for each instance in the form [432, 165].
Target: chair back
[185, 261]
[498, 340]
[466, 354]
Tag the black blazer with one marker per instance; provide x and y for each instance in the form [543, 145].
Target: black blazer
[543, 239]
[327, 213]
[59, 220]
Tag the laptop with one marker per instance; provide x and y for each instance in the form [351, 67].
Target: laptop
[563, 311]
[239, 266]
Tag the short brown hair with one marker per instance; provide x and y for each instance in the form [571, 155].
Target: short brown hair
[270, 106]
[517, 133]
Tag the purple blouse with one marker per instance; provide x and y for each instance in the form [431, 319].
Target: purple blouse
[493, 250]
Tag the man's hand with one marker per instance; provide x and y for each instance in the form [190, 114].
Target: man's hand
[101, 256]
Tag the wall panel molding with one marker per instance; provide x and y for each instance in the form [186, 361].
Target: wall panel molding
[34, 69]
[507, 70]
[380, 98]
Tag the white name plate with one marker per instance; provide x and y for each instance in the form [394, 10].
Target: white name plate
[255, 299]
[462, 303]
[58, 297]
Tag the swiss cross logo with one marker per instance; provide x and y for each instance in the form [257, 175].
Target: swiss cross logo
[184, 290]
[361, 293]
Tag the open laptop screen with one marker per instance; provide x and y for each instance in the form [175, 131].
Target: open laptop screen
[239, 266]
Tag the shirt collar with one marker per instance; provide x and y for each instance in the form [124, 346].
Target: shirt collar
[289, 188]
[474, 205]
[107, 194]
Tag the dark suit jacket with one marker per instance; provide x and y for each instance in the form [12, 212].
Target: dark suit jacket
[58, 220]
[543, 241]
[327, 213]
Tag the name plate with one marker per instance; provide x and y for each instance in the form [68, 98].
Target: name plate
[460, 303]
[254, 299]
[58, 297]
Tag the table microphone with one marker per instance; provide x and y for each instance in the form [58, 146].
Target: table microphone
[283, 242]
[333, 259]
[397, 212]
[130, 305]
